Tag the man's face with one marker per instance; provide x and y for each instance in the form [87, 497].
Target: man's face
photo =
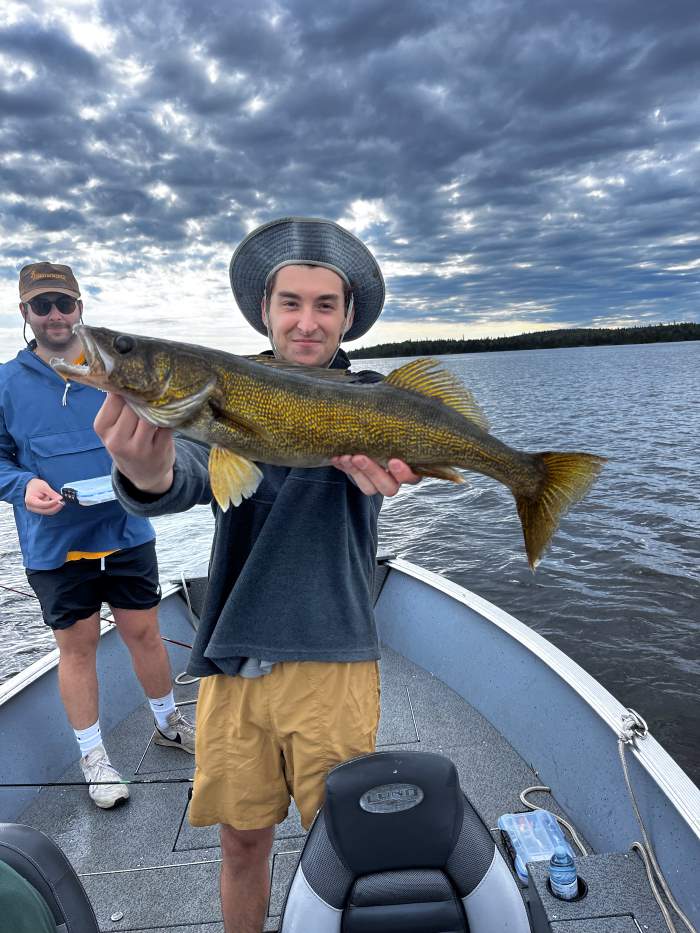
[307, 314]
[55, 329]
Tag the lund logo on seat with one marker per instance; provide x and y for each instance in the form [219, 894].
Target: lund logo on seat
[391, 798]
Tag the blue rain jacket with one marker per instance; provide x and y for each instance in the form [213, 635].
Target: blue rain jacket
[46, 432]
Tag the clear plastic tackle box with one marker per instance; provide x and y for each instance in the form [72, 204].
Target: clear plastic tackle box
[531, 837]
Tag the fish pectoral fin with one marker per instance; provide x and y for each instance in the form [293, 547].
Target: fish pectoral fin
[173, 414]
[426, 377]
[232, 477]
[439, 472]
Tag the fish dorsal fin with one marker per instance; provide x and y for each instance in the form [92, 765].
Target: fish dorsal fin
[426, 377]
[316, 372]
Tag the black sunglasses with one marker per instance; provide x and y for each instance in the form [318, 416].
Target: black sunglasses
[42, 306]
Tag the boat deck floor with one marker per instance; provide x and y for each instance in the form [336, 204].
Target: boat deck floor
[145, 866]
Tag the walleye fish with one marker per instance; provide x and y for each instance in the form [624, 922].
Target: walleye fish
[261, 409]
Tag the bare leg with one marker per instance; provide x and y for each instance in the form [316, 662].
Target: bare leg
[141, 635]
[245, 877]
[77, 671]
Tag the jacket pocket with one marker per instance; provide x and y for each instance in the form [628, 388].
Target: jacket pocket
[73, 455]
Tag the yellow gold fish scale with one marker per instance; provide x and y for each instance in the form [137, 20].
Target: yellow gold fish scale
[326, 424]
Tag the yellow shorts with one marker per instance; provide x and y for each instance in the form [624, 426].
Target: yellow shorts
[261, 741]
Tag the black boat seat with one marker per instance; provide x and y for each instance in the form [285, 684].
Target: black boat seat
[398, 848]
[38, 859]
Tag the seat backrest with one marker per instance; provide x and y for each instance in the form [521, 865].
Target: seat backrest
[22, 908]
[397, 847]
[40, 861]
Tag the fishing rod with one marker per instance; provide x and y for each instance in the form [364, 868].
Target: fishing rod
[12, 589]
[19, 592]
[131, 781]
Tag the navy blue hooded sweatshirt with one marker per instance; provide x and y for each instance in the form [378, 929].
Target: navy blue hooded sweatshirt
[291, 571]
[46, 432]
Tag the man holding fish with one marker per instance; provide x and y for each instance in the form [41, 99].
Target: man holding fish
[287, 647]
[287, 628]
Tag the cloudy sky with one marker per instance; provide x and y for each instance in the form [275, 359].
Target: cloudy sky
[514, 164]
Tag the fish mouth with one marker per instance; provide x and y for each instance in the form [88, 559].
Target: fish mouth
[98, 364]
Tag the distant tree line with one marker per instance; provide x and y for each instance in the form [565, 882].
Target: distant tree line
[538, 340]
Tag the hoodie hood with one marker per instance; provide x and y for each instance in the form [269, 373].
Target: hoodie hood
[46, 372]
[30, 359]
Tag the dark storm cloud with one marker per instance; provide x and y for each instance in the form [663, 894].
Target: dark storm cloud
[527, 158]
[43, 219]
[50, 49]
[354, 30]
[23, 104]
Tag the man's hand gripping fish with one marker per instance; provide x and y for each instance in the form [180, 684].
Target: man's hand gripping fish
[262, 409]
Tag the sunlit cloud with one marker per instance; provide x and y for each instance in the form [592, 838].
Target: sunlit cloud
[255, 104]
[364, 214]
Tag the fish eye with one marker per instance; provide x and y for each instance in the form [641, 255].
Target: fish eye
[123, 343]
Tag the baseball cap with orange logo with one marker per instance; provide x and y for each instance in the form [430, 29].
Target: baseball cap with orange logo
[39, 277]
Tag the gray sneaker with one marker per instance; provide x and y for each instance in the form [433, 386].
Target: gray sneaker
[97, 769]
[184, 733]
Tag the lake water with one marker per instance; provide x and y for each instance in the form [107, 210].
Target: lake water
[619, 589]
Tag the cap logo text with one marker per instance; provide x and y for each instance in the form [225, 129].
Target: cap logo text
[47, 275]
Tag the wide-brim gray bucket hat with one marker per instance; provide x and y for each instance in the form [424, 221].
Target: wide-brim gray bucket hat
[308, 240]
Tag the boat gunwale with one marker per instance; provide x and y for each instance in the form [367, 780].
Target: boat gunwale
[671, 779]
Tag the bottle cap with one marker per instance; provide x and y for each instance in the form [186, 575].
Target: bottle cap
[561, 856]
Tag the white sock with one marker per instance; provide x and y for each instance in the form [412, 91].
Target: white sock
[88, 738]
[162, 707]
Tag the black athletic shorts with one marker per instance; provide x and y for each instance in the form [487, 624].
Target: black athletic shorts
[78, 588]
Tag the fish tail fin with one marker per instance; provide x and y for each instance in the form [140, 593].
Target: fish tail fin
[567, 478]
[232, 477]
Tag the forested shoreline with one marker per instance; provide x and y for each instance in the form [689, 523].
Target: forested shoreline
[538, 340]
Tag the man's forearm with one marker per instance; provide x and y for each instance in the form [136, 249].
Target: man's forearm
[138, 493]
[156, 488]
[186, 486]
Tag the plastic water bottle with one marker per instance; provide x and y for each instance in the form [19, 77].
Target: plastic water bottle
[562, 875]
